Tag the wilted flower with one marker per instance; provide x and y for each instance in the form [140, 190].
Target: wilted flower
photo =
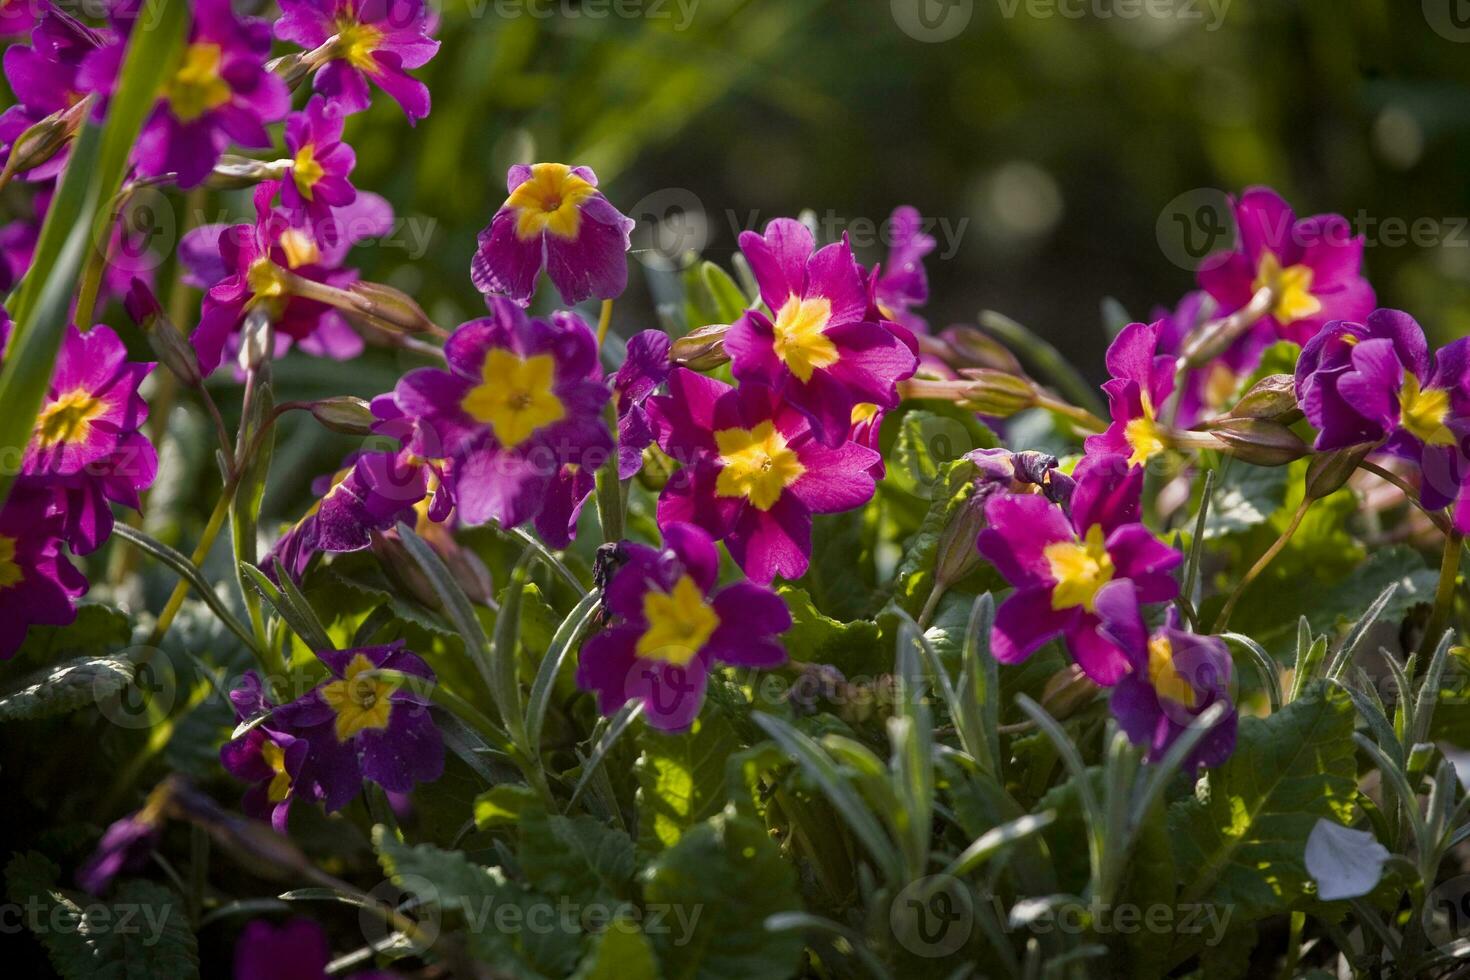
[1174, 678]
[555, 218]
[647, 366]
[318, 179]
[522, 399]
[820, 353]
[268, 757]
[670, 627]
[1058, 564]
[354, 42]
[1313, 267]
[37, 584]
[361, 726]
[752, 472]
[1142, 381]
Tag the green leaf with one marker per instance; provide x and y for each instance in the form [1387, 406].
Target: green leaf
[502, 805]
[580, 858]
[188, 571]
[97, 629]
[854, 648]
[142, 934]
[720, 883]
[1243, 845]
[445, 878]
[681, 778]
[1244, 497]
[65, 687]
[621, 952]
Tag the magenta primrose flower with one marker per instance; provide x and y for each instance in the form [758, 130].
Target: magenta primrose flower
[44, 75]
[1376, 382]
[521, 401]
[360, 41]
[360, 726]
[1314, 265]
[16, 17]
[1174, 677]
[900, 284]
[268, 757]
[1059, 563]
[217, 93]
[555, 218]
[670, 627]
[820, 352]
[297, 950]
[38, 586]
[645, 368]
[318, 179]
[1141, 384]
[752, 472]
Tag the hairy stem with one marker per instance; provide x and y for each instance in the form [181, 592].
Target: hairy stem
[1260, 565]
[1444, 596]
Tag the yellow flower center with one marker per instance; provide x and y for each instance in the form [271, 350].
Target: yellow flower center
[550, 200]
[514, 397]
[1422, 413]
[267, 280]
[68, 418]
[1220, 384]
[356, 44]
[306, 171]
[197, 87]
[1080, 568]
[680, 622]
[275, 757]
[801, 339]
[1293, 288]
[757, 464]
[300, 248]
[360, 702]
[864, 412]
[10, 573]
[1164, 677]
[1144, 434]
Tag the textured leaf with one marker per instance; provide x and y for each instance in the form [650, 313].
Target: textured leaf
[445, 878]
[1242, 846]
[681, 778]
[621, 952]
[65, 687]
[97, 629]
[1244, 497]
[722, 880]
[580, 858]
[854, 648]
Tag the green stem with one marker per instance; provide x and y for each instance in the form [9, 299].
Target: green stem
[931, 604]
[1260, 565]
[1444, 596]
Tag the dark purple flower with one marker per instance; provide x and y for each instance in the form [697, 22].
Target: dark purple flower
[646, 367]
[269, 758]
[555, 218]
[44, 76]
[752, 473]
[361, 726]
[297, 950]
[319, 178]
[900, 284]
[1314, 265]
[820, 352]
[126, 844]
[1059, 563]
[16, 17]
[670, 628]
[1142, 381]
[1207, 390]
[521, 400]
[219, 92]
[38, 586]
[353, 42]
[1174, 678]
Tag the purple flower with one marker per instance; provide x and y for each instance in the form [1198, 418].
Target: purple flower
[127, 843]
[900, 284]
[359, 726]
[268, 757]
[521, 400]
[820, 353]
[318, 179]
[1142, 382]
[555, 218]
[354, 42]
[297, 950]
[37, 584]
[244, 266]
[1058, 564]
[646, 367]
[217, 93]
[669, 628]
[1174, 678]
[752, 473]
[1207, 390]
[1314, 265]
[44, 76]
[1376, 382]
[16, 17]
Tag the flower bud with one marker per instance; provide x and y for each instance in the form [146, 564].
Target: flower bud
[957, 554]
[345, 414]
[1272, 398]
[171, 347]
[1327, 472]
[1066, 691]
[702, 349]
[233, 172]
[1260, 442]
[257, 339]
[997, 393]
[42, 140]
[389, 308]
[969, 347]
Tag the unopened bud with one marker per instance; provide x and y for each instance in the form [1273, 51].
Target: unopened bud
[345, 414]
[1328, 472]
[42, 140]
[170, 346]
[293, 68]
[1260, 442]
[257, 339]
[1066, 691]
[957, 553]
[233, 172]
[702, 349]
[1272, 398]
[997, 393]
[656, 470]
[389, 308]
[969, 347]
